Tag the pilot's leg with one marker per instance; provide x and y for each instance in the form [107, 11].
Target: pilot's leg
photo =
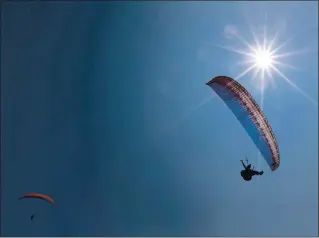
[258, 173]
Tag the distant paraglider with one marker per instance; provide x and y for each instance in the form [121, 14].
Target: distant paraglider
[37, 196]
[251, 117]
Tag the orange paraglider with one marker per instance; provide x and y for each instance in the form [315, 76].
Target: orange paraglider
[38, 196]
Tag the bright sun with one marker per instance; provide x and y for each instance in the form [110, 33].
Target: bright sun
[264, 60]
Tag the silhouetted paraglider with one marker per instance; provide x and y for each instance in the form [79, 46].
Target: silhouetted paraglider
[251, 117]
[37, 196]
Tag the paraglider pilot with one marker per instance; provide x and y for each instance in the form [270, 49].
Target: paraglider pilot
[248, 172]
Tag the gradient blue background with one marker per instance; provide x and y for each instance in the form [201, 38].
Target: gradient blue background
[100, 111]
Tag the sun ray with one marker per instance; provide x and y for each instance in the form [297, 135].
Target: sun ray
[202, 103]
[255, 73]
[242, 74]
[265, 38]
[242, 52]
[272, 42]
[254, 35]
[287, 54]
[245, 43]
[286, 65]
[262, 57]
[275, 50]
[262, 90]
[244, 62]
[271, 78]
[293, 85]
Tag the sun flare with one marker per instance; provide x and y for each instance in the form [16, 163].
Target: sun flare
[264, 60]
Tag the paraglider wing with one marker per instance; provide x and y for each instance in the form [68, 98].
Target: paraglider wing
[249, 114]
[38, 196]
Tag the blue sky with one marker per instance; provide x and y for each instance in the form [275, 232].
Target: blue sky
[105, 109]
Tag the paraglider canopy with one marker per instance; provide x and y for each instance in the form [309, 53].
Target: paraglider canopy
[38, 196]
[250, 115]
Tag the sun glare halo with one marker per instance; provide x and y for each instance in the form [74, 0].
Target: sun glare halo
[263, 59]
